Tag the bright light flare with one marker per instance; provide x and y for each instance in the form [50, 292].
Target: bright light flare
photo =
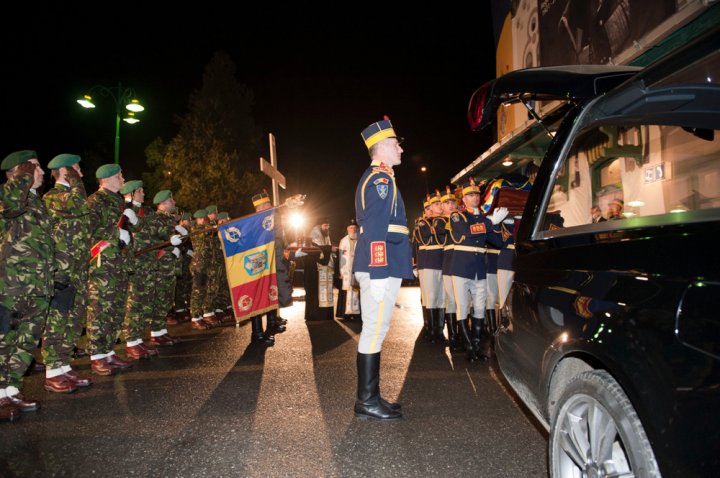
[296, 220]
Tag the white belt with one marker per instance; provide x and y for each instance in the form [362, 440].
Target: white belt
[394, 228]
[510, 246]
[470, 248]
[493, 251]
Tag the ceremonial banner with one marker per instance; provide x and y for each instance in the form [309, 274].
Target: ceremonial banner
[249, 247]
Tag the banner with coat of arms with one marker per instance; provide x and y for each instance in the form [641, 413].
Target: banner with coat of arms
[249, 247]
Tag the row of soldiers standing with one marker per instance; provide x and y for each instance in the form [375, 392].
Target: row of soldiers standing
[457, 251]
[104, 263]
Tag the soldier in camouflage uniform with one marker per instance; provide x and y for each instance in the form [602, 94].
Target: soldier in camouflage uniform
[167, 262]
[26, 282]
[183, 284]
[140, 290]
[110, 223]
[216, 264]
[199, 265]
[66, 203]
[223, 302]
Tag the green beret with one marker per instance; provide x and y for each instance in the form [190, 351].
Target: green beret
[131, 186]
[211, 209]
[223, 215]
[186, 216]
[161, 196]
[107, 170]
[16, 158]
[200, 213]
[63, 160]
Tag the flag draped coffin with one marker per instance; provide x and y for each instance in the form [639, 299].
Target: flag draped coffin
[249, 248]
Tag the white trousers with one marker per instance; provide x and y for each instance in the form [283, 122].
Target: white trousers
[450, 305]
[375, 316]
[505, 280]
[432, 288]
[469, 292]
[492, 291]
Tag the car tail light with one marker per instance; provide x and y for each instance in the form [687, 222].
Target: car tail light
[476, 108]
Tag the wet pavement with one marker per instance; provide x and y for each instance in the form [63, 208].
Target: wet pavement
[217, 406]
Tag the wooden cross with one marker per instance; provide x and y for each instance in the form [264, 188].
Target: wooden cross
[270, 169]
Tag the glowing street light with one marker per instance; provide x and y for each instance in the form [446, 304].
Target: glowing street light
[122, 97]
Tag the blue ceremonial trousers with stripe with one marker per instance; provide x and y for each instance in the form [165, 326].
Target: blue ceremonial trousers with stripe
[383, 247]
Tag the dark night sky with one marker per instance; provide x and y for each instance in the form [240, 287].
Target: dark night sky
[319, 76]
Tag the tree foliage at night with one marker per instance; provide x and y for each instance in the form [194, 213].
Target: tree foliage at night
[213, 158]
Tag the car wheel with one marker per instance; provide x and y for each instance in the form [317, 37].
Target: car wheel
[596, 432]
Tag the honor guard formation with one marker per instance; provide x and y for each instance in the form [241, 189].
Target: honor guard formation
[113, 267]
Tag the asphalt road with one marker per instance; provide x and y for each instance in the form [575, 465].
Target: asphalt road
[217, 406]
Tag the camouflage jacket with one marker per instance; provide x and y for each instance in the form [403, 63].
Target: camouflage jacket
[163, 228]
[67, 206]
[27, 248]
[142, 234]
[202, 249]
[106, 209]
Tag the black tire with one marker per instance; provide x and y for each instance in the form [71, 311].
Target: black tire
[621, 447]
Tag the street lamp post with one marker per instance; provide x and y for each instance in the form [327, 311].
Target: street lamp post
[122, 96]
[423, 169]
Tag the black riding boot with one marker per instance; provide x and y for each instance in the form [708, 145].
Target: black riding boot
[482, 337]
[426, 321]
[491, 322]
[440, 327]
[432, 319]
[273, 325]
[470, 349]
[368, 403]
[257, 332]
[453, 333]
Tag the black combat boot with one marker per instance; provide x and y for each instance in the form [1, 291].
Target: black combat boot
[477, 330]
[368, 404]
[440, 327]
[485, 340]
[470, 348]
[257, 332]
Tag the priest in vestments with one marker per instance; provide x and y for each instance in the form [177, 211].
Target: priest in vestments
[318, 265]
[348, 302]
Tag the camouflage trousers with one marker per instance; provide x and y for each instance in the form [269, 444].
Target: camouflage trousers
[222, 293]
[199, 291]
[63, 330]
[106, 297]
[139, 307]
[213, 285]
[164, 298]
[19, 343]
[183, 288]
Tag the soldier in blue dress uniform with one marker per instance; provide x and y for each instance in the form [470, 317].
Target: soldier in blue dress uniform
[471, 231]
[431, 274]
[382, 260]
[441, 225]
[420, 256]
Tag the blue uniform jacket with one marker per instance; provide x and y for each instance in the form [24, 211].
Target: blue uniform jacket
[442, 234]
[471, 232]
[506, 261]
[420, 251]
[433, 250]
[383, 247]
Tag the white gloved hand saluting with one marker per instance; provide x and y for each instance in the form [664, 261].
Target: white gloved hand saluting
[176, 252]
[189, 252]
[176, 240]
[498, 215]
[378, 287]
[124, 236]
[130, 214]
[300, 253]
[181, 230]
